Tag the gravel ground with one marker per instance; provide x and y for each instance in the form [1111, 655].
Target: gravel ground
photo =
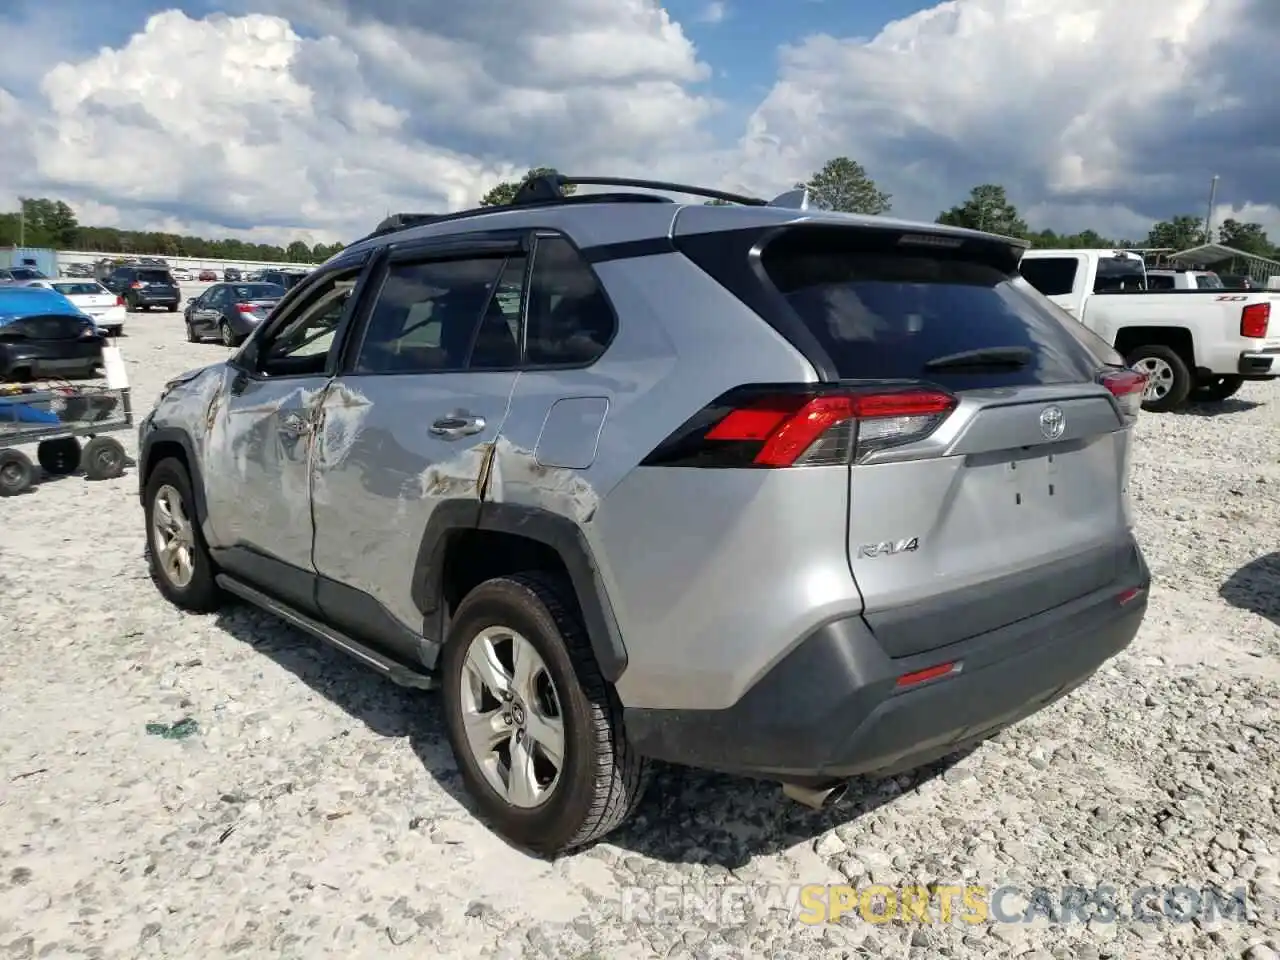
[317, 812]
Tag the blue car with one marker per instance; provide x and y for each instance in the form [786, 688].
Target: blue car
[45, 335]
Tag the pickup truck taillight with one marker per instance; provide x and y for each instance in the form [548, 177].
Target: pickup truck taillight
[1254, 320]
[1127, 386]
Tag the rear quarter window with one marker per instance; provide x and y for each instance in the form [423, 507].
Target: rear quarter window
[883, 312]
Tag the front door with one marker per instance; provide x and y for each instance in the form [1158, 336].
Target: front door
[259, 477]
[408, 426]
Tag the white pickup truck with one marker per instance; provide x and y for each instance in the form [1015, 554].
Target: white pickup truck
[1197, 344]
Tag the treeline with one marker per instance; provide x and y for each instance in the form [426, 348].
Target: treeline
[842, 184]
[53, 223]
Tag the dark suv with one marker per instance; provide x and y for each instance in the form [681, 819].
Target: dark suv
[285, 278]
[145, 287]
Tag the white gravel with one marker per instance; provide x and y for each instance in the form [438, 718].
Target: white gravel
[317, 812]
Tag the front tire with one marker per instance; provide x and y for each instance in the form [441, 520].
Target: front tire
[1169, 378]
[536, 731]
[1216, 389]
[177, 555]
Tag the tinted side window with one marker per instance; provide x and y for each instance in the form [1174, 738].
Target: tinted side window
[882, 312]
[1159, 282]
[570, 320]
[426, 314]
[1052, 276]
[1208, 281]
[299, 344]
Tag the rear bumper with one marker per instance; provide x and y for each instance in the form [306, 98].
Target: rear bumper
[156, 299]
[59, 358]
[832, 709]
[1260, 365]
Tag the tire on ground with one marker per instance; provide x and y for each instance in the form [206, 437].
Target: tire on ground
[1216, 389]
[603, 778]
[1182, 381]
[202, 593]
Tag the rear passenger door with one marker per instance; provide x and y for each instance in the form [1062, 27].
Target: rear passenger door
[409, 425]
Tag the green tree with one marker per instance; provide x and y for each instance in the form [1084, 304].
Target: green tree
[842, 184]
[505, 192]
[1181, 233]
[298, 252]
[988, 208]
[1249, 237]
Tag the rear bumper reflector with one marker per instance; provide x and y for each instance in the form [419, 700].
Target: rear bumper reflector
[928, 673]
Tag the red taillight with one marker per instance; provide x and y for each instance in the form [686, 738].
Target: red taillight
[1128, 596]
[1254, 320]
[119, 301]
[748, 428]
[1127, 386]
[135, 285]
[246, 308]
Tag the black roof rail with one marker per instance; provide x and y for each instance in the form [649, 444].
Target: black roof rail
[547, 188]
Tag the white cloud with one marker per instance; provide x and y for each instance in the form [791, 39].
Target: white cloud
[714, 12]
[320, 115]
[246, 124]
[1063, 103]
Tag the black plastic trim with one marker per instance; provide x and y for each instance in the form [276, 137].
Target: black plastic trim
[155, 435]
[404, 674]
[628, 249]
[832, 709]
[558, 532]
[1255, 364]
[280, 579]
[955, 616]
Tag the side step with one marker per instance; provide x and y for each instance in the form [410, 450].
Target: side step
[400, 673]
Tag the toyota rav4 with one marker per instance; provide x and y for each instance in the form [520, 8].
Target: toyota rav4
[751, 487]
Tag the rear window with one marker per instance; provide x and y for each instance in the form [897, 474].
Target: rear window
[258, 291]
[1052, 276]
[78, 289]
[154, 276]
[1119, 274]
[1208, 281]
[884, 312]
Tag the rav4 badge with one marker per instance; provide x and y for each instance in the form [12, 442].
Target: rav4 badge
[888, 548]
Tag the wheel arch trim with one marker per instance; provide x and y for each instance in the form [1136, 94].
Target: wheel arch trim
[559, 533]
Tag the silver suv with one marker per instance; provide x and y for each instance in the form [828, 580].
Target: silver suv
[749, 487]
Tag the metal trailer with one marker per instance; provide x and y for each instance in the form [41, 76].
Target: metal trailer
[55, 418]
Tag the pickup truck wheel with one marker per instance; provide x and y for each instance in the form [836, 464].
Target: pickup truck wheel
[1216, 389]
[1169, 379]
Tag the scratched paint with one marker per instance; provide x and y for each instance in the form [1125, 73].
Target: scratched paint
[517, 477]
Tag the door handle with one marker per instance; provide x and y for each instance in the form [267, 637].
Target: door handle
[457, 425]
[294, 425]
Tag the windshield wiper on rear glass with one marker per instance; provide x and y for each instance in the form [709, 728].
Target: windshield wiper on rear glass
[984, 357]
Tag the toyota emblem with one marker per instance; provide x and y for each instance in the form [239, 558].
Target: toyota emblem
[1052, 422]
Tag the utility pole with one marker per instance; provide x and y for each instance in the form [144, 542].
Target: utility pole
[1208, 220]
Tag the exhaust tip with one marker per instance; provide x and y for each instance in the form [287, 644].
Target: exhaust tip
[816, 798]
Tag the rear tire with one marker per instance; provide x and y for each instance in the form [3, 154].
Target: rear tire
[169, 498]
[60, 457]
[1216, 389]
[1170, 378]
[17, 473]
[103, 459]
[600, 778]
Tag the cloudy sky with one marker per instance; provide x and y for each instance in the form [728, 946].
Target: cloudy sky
[283, 118]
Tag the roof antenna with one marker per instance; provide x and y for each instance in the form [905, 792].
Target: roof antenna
[797, 199]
